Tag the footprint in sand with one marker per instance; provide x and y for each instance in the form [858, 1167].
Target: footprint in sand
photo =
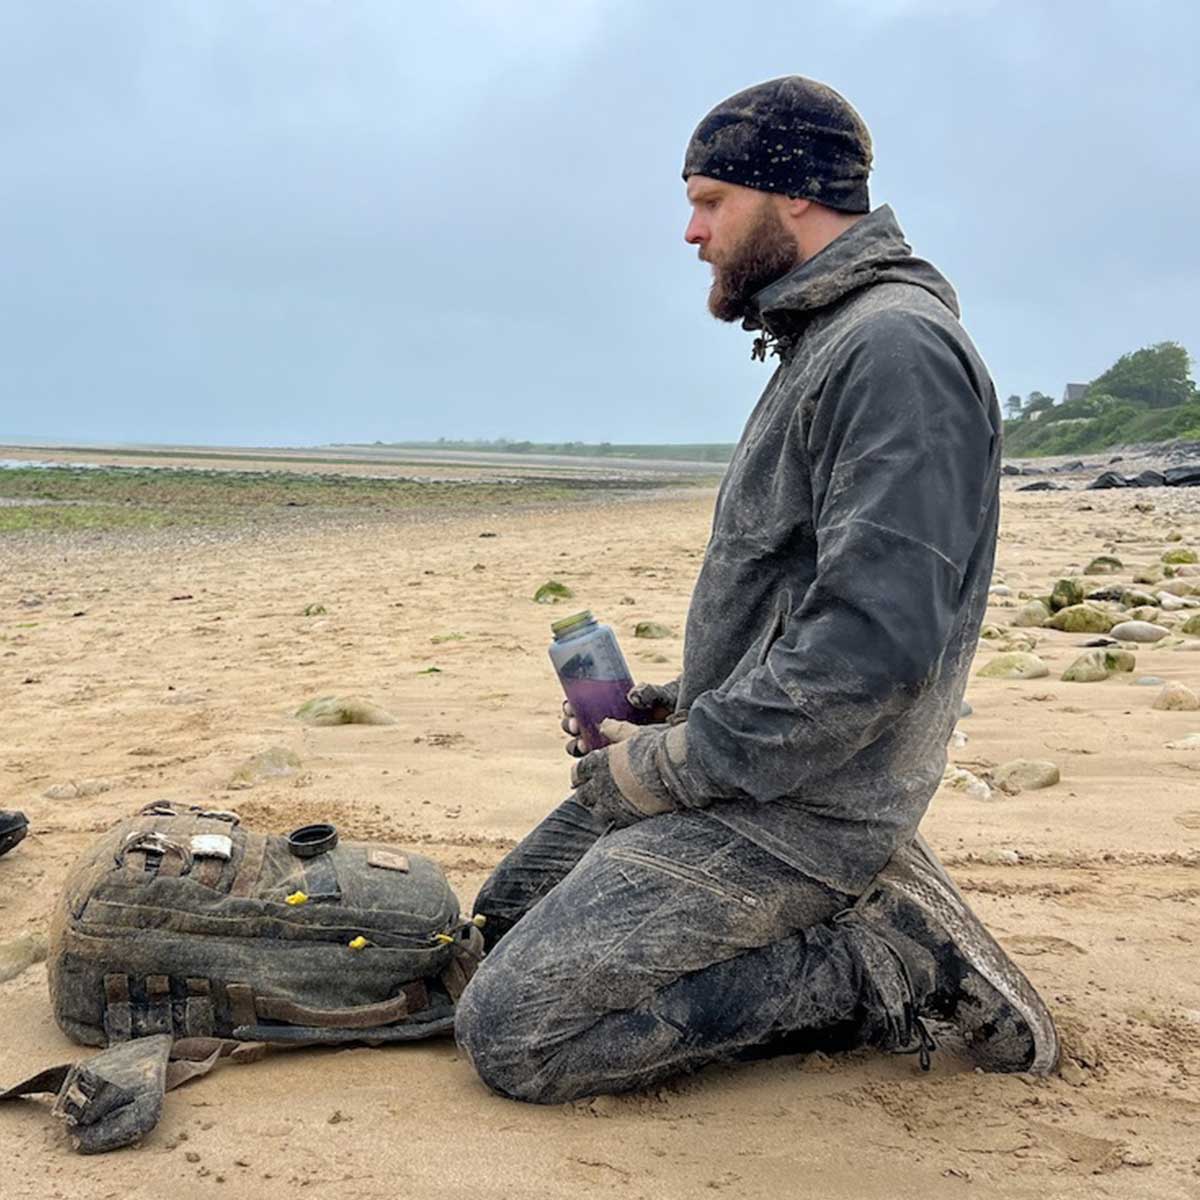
[1033, 943]
[1189, 820]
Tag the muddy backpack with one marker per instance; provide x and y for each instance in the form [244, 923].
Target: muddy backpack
[179, 921]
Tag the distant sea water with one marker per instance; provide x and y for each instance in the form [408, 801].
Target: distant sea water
[14, 464]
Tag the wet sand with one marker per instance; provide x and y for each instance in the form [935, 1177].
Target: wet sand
[147, 665]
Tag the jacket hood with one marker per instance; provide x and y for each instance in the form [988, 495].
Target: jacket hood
[871, 251]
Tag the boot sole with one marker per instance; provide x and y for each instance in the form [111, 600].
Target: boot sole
[10, 837]
[923, 881]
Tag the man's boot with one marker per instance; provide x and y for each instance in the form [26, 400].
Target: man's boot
[932, 963]
[13, 827]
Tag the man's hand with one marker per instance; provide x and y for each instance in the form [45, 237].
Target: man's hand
[621, 783]
[656, 700]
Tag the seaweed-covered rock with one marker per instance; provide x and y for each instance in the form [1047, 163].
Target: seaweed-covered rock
[1091, 667]
[651, 629]
[1191, 625]
[551, 592]
[1066, 593]
[1120, 660]
[1018, 664]
[1180, 555]
[1104, 564]
[343, 710]
[1081, 618]
[1136, 598]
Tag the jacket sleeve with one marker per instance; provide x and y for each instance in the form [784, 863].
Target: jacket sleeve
[903, 452]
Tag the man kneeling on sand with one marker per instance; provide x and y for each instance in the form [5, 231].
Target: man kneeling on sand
[745, 878]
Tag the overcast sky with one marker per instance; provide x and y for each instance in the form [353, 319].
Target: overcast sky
[299, 221]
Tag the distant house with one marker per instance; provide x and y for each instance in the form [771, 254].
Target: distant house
[1074, 391]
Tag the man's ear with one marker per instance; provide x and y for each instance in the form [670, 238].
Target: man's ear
[795, 206]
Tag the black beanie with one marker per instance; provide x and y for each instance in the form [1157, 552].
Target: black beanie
[792, 136]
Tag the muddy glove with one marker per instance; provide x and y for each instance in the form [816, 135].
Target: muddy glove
[656, 700]
[623, 783]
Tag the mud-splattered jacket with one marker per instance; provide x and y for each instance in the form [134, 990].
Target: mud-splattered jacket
[835, 616]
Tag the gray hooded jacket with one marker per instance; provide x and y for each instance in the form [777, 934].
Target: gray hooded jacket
[836, 613]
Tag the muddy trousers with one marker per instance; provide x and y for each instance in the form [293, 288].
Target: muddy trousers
[621, 958]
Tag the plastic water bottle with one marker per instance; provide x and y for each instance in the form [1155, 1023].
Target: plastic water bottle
[593, 674]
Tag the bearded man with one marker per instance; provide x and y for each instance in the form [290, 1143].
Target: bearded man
[745, 878]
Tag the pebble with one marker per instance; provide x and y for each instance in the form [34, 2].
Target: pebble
[1176, 697]
[1138, 631]
[1031, 615]
[1190, 742]
[19, 953]
[276, 763]
[1000, 858]
[962, 780]
[1149, 681]
[1025, 774]
[1018, 664]
[999, 589]
[77, 788]
[1170, 603]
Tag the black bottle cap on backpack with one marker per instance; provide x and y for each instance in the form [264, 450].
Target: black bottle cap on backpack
[310, 840]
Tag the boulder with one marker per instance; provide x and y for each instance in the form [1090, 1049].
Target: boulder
[1184, 476]
[1138, 631]
[1018, 664]
[1104, 564]
[1107, 481]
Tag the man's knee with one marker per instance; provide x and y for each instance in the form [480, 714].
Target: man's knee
[493, 1027]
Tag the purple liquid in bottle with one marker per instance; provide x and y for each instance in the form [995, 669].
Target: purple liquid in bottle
[594, 676]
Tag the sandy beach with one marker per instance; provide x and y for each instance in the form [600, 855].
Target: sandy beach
[148, 664]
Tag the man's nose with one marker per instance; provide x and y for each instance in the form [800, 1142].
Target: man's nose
[696, 234]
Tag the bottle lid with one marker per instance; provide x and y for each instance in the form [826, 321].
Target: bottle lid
[567, 624]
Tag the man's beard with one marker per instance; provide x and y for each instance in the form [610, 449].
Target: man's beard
[766, 253]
